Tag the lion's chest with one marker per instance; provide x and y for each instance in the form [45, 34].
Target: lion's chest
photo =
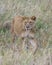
[27, 35]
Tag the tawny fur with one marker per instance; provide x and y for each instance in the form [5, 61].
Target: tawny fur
[18, 23]
[18, 28]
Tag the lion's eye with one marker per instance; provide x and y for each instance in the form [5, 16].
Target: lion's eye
[30, 22]
[25, 22]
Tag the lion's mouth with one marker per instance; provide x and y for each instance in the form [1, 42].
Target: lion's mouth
[28, 28]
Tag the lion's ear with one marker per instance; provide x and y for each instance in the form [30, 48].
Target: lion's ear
[33, 18]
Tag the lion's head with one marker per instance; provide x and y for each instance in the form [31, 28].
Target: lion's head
[28, 22]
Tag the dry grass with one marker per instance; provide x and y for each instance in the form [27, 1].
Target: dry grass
[11, 53]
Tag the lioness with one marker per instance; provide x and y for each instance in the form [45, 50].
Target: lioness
[24, 27]
[20, 24]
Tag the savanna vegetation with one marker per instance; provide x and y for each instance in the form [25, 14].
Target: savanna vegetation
[9, 52]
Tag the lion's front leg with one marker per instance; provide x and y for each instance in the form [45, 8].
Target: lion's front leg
[34, 45]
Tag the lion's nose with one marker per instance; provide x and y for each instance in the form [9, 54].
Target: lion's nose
[27, 26]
